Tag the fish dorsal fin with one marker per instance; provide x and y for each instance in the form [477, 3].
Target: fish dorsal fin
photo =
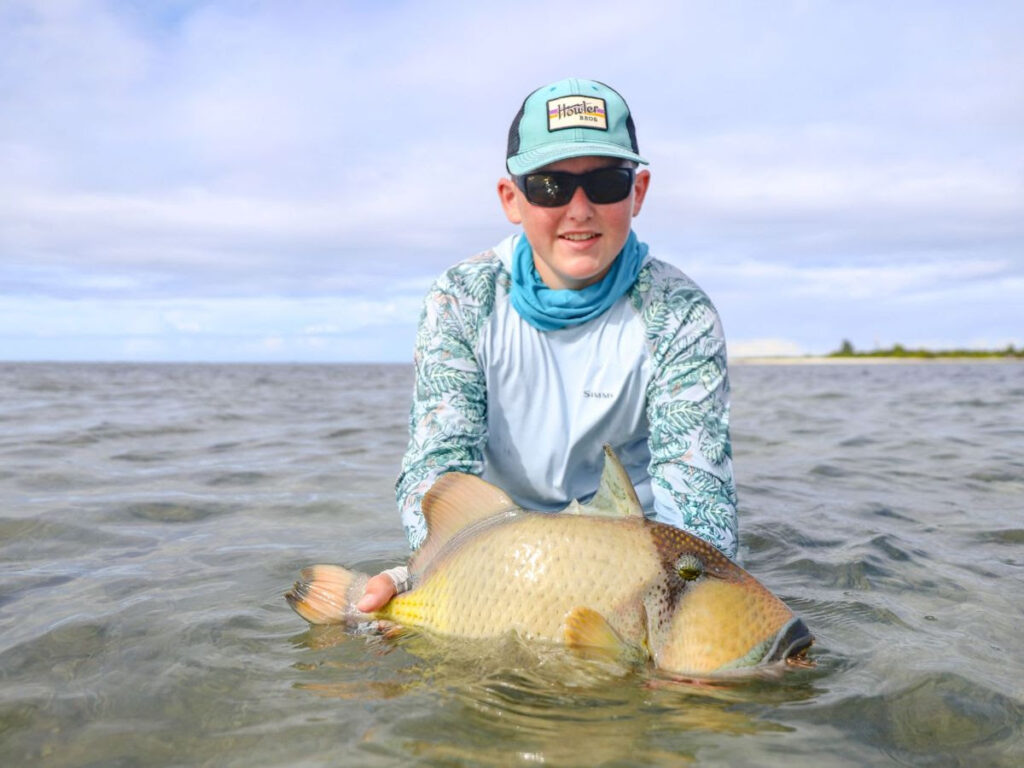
[455, 502]
[615, 495]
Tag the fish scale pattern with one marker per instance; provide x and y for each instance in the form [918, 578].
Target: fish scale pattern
[527, 574]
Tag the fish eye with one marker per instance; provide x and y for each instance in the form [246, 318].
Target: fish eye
[689, 567]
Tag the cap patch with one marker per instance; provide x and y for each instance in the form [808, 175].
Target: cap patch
[577, 112]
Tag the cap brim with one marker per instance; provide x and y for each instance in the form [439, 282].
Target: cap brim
[527, 162]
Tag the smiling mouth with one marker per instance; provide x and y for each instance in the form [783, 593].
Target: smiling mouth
[578, 238]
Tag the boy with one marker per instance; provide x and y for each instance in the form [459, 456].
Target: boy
[533, 354]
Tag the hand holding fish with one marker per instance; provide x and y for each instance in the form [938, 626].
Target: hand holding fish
[379, 590]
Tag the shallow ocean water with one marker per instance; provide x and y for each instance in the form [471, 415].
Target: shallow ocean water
[151, 517]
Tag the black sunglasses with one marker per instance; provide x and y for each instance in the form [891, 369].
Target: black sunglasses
[551, 189]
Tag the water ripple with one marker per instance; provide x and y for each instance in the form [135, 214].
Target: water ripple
[152, 516]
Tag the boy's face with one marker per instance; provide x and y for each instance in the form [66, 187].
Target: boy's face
[574, 245]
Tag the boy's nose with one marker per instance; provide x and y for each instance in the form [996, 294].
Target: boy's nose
[579, 206]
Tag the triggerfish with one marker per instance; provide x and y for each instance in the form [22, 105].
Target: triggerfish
[598, 577]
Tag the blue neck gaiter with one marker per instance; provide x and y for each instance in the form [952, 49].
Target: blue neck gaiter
[548, 309]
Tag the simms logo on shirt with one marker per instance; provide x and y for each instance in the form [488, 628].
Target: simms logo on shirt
[577, 112]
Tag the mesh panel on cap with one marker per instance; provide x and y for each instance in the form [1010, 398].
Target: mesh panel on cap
[513, 132]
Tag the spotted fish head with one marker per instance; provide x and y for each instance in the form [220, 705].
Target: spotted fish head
[707, 615]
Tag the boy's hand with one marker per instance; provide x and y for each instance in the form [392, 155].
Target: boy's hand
[379, 590]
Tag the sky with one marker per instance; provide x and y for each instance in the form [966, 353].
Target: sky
[281, 181]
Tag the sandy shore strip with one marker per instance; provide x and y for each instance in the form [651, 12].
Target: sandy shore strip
[824, 360]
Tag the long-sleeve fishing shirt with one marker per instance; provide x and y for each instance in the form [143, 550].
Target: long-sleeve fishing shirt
[529, 410]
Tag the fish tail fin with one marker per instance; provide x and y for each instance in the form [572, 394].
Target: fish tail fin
[326, 594]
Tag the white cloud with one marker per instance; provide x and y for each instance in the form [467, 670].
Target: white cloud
[800, 179]
[175, 171]
[256, 317]
[872, 281]
[742, 348]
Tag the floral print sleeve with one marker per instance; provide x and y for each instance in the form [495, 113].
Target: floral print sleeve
[688, 407]
[448, 420]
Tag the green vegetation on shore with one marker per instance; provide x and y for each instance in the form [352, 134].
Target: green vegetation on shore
[898, 350]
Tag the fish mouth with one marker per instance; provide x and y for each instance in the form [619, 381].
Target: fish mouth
[792, 641]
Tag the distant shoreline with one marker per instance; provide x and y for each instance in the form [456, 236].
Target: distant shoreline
[733, 360]
[867, 360]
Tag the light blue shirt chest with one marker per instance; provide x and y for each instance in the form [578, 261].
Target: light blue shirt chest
[555, 397]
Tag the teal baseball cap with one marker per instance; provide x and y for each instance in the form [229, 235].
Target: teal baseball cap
[570, 118]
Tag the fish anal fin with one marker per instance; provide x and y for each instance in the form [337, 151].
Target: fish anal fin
[454, 502]
[589, 634]
[615, 495]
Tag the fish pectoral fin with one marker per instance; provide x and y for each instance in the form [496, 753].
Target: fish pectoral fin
[589, 634]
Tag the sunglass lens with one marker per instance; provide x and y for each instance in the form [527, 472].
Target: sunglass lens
[609, 185]
[548, 190]
[556, 188]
